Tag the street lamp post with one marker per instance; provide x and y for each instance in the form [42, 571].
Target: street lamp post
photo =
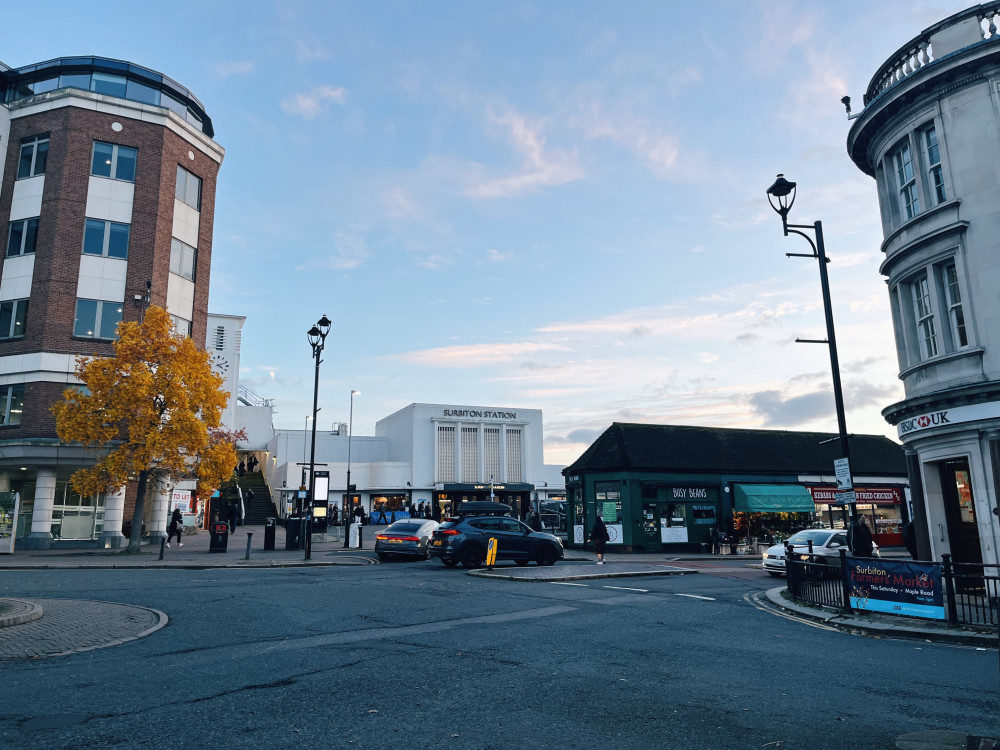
[781, 196]
[305, 436]
[347, 505]
[317, 340]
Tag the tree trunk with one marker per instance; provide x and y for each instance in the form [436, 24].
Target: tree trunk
[135, 537]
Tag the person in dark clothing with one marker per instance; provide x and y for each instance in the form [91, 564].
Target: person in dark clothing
[241, 468]
[859, 538]
[536, 521]
[233, 517]
[359, 514]
[909, 533]
[176, 527]
[381, 515]
[599, 536]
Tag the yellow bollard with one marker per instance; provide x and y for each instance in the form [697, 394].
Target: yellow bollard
[491, 552]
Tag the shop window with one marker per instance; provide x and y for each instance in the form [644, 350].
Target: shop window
[22, 238]
[13, 318]
[609, 501]
[34, 156]
[115, 162]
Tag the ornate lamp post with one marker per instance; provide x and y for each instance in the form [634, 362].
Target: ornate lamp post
[781, 196]
[347, 503]
[317, 340]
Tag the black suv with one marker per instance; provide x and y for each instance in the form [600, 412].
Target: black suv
[465, 540]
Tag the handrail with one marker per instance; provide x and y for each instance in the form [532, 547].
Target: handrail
[250, 398]
[919, 51]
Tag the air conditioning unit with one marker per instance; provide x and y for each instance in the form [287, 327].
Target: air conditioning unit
[339, 428]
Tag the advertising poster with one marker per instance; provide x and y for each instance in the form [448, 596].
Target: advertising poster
[896, 587]
[672, 534]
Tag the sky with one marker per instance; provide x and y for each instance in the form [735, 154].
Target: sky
[546, 205]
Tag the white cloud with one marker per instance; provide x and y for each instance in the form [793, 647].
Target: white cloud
[228, 68]
[351, 252]
[474, 355]
[310, 104]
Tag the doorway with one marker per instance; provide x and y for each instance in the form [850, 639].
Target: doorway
[960, 512]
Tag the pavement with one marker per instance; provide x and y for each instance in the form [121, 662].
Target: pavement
[42, 628]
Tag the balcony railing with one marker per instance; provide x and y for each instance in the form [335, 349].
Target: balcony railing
[919, 52]
[249, 398]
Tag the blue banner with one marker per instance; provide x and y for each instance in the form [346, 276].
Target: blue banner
[896, 587]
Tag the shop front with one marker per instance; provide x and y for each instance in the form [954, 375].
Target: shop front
[516, 495]
[764, 513]
[882, 506]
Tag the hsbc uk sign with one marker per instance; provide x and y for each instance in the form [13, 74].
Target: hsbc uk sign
[946, 417]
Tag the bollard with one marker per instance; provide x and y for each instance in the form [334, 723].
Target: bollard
[249, 537]
[491, 553]
[163, 542]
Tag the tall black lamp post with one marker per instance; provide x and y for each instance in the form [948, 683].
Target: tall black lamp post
[781, 196]
[348, 504]
[317, 340]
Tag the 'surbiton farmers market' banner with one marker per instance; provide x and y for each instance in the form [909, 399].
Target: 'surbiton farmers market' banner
[896, 587]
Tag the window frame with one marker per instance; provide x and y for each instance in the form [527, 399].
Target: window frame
[934, 168]
[179, 249]
[182, 190]
[114, 165]
[923, 314]
[18, 317]
[11, 401]
[953, 300]
[98, 323]
[25, 225]
[35, 142]
[905, 174]
[106, 238]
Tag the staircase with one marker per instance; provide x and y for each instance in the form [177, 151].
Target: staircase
[260, 507]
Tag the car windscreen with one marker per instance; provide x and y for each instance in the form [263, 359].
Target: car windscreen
[405, 528]
[803, 537]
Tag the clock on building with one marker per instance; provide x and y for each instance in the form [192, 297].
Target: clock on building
[221, 363]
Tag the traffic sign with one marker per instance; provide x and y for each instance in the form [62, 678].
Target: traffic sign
[842, 468]
[845, 498]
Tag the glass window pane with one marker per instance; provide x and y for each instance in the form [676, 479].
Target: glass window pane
[189, 260]
[175, 256]
[20, 317]
[41, 157]
[4, 399]
[140, 92]
[173, 105]
[101, 164]
[193, 197]
[24, 165]
[30, 236]
[111, 85]
[118, 241]
[49, 84]
[75, 80]
[86, 318]
[125, 167]
[6, 318]
[16, 236]
[181, 183]
[93, 237]
[16, 400]
[111, 316]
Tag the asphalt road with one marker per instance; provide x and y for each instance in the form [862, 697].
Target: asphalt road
[419, 656]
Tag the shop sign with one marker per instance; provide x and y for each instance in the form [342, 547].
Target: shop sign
[181, 499]
[943, 417]
[896, 587]
[672, 534]
[479, 414]
[865, 495]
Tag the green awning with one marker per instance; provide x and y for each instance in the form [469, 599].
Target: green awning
[772, 498]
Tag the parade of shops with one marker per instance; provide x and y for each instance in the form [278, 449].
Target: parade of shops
[667, 487]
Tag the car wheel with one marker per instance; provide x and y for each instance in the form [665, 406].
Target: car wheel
[522, 562]
[772, 573]
[472, 557]
[547, 556]
[449, 562]
[383, 556]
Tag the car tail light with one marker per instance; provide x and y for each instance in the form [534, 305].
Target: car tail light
[447, 532]
[409, 538]
[381, 536]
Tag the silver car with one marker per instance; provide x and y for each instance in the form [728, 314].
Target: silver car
[826, 543]
[407, 538]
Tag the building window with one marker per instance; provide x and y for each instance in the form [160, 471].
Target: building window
[96, 319]
[491, 450]
[181, 326]
[182, 259]
[470, 454]
[13, 318]
[925, 317]
[110, 85]
[446, 454]
[22, 237]
[34, 156]
[935, 175]
[954, 300]
[11, 403]
[514, 455]
[906, 182]
[115, 162]
[188, 188]
[106, 238]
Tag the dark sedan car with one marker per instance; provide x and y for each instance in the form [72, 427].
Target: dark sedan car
[465, 540]
[409, 537]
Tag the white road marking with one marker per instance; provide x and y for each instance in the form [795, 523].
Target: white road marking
[564, 583]
[625, 588]
[695, 596]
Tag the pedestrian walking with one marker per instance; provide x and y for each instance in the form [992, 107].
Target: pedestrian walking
[599, 536]
[359, 515]
[859, 538]
[233, 517]
[176, 527]
[381, 514]
[909, 533]
[536, 521]
[241, 468]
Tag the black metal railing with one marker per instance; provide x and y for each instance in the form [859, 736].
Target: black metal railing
[971, 590]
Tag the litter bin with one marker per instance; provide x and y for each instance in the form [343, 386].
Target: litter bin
[219, 538]
[293, 528]
[269, 525]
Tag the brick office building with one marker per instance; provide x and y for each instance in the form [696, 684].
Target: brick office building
[107, 194]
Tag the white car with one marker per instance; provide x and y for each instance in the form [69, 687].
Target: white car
[827, 544]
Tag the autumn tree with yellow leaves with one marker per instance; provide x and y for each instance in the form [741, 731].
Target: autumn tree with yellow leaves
[152, 411]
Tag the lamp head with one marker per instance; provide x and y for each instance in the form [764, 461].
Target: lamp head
[355, 393]
[324, 324]
[781, 196]
[314, 336]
